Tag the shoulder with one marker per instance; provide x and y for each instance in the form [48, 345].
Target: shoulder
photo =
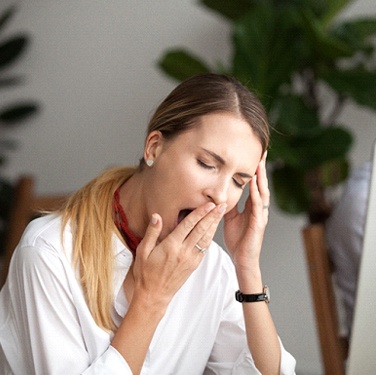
[42, 241]
[41, 227]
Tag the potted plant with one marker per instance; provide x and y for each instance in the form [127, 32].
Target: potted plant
[289, 52]
[13, 113]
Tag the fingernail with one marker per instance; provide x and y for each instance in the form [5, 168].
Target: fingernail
[154, 219]
[222, 208]
[209, 207]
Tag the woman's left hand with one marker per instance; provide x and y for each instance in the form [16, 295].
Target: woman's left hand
[244, 231]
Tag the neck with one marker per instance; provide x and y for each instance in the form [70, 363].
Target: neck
[131, 199]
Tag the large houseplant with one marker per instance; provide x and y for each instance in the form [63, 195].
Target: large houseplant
[12, 113]
[290, 52]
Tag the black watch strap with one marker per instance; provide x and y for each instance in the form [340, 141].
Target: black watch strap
[240, 297]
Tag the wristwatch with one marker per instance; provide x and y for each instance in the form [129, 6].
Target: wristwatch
[264, 296]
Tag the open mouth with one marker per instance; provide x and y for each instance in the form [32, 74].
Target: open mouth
[183, 214]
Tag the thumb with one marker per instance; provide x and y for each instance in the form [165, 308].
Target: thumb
[150, 239]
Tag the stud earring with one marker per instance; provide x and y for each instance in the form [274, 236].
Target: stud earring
[149, 162]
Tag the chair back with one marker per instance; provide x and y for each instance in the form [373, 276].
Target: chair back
[333, 347]
[26, 206]
[362, 359]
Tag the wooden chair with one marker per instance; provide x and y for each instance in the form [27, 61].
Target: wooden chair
[333, 347]
[26, 206]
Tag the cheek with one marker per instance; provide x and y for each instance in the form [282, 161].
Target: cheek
[235, 197]
[192, 176]
[186, 179]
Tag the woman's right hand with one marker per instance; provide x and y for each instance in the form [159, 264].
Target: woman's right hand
[160, 269]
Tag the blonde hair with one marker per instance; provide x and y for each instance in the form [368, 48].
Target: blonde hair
[90, 214]
[90, 210]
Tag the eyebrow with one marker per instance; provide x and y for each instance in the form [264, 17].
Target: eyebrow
[222, 161]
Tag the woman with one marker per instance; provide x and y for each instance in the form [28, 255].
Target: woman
[126, 279]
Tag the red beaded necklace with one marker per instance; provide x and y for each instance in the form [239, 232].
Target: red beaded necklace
[121, 223]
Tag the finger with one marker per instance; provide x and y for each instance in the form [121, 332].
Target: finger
[262, 182]
[255, 206]
[150, 239]
[205, 229]
[261, 172]
[207, 238]
[254, 198]
[202, 250]
[265, 156]
[190, 222]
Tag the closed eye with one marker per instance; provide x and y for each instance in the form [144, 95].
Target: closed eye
[238, 184]
[204, 165]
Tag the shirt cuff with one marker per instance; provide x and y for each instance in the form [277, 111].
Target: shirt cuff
[245, 365]
[110, 363]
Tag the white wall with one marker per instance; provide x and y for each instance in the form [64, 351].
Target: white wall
[92, 65]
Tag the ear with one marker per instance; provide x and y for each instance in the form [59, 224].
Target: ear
[153, 145]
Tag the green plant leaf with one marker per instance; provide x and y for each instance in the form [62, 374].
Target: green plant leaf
[333, 8]
[324, 47]
[11, 49]
[181, 64]
[10, 81]
[318, 7]
[295, 118]
[265, 54]
[232, 10]
[6, 16]
[306, 152]
[290, 192]
[357, 33]
[358, 84]
[17, 113]
[280, 149]
[334, 172]
[332, 143]
[355, 30]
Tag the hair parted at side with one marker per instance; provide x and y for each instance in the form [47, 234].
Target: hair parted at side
[90, 210]
[204, 94]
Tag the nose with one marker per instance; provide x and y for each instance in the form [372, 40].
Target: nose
[218, 192]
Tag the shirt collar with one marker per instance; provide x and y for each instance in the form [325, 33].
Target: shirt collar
[123, 259]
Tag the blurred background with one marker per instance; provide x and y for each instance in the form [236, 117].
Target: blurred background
[92, 68]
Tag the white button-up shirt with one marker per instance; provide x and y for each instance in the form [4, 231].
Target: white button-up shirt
[46, 326]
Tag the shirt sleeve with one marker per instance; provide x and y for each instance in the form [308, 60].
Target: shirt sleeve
[243, 364]
[230, 354]
[111, 362]
[47, 332]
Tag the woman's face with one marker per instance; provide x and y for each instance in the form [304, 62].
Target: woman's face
[214, 161]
